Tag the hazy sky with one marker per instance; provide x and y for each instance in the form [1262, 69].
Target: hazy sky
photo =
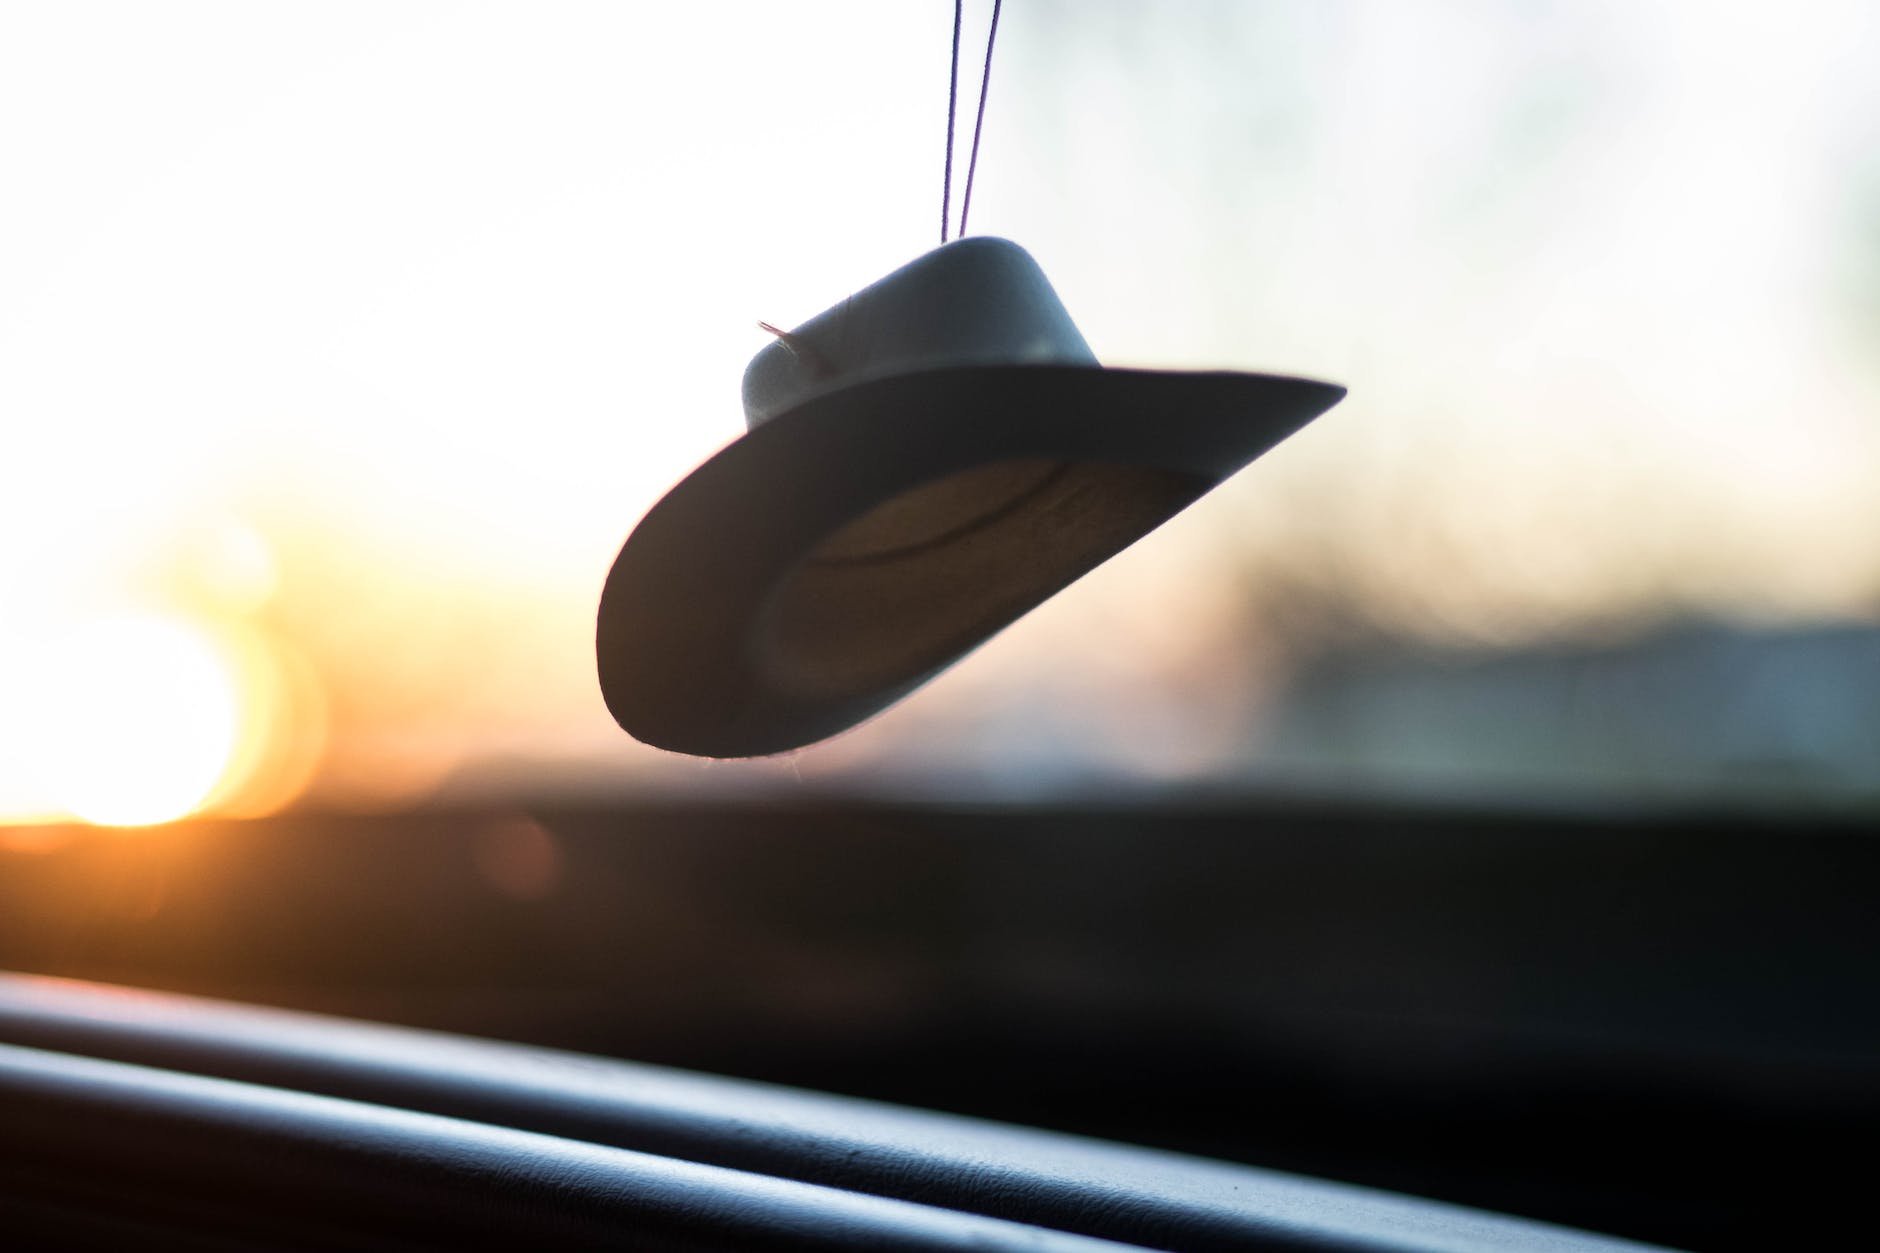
[367, 331]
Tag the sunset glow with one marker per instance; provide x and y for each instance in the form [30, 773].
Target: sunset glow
[136, 719]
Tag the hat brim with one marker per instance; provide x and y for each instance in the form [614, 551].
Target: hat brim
[711, 593]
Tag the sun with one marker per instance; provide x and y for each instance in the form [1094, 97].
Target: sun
[139, 717]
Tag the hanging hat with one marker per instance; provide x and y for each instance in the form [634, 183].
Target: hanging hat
[926, 461]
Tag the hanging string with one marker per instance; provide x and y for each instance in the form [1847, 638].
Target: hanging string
[953, 96]
[979, 122]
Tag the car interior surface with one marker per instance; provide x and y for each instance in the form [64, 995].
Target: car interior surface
[1366, 740]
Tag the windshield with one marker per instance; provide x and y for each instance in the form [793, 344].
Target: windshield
[341, 346]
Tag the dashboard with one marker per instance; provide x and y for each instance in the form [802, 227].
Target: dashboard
[1655, 1026]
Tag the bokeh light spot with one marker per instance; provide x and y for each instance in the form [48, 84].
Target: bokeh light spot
[519, 857]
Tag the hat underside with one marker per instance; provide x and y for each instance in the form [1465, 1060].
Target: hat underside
[908, 587]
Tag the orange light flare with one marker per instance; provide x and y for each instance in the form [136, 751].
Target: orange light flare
[139, 718]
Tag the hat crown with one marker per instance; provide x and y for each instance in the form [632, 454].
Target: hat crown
[976, 301]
